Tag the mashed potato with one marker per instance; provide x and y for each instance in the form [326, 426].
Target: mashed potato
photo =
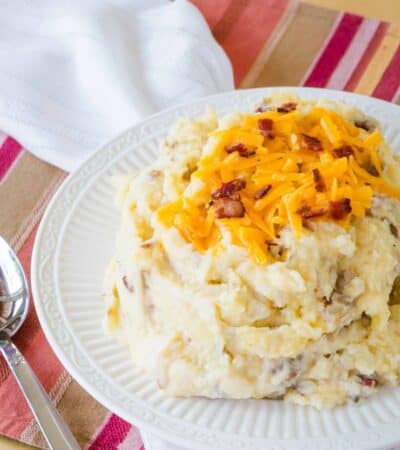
[282, 284]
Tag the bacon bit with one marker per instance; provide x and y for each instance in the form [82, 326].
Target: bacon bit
[127, 284]
[307, 213]
[365, 380]
[287, 107]
[394, 230]
[371, 169]
[318, 181]
[340, 209]
[311, 143]
[326, 300]
[342, 152]
[227, 208]
[262, 192]
[265, 127]
[227, 190]
[308, 225]
[241, 149]
[364, 124]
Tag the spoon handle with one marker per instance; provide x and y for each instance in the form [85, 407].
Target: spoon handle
[56, 432]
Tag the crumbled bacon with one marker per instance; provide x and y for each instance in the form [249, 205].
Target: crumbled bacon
[311, 143]
[366, 125]
[265, 127]
[287, 107]
[307, 213]
[262, 192]
[343, 151]
[326, 300]
[371, 169]
[368, 381]
[318, 181]
[394, 230]
[227, 190]
[127, 284]
[227, 208]
[340, 209]
[241, 149]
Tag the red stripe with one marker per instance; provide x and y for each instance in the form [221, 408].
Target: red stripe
[113, 433]
[230, 17]
[368, 55]
[389, 83]
[8, 154]
[242, 27]
[244, 38]
[337, 46]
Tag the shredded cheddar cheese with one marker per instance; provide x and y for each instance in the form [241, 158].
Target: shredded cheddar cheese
[295, 166]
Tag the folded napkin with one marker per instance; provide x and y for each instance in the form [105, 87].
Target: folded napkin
[74, 74]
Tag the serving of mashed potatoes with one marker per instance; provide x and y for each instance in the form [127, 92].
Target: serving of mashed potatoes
[259, 255]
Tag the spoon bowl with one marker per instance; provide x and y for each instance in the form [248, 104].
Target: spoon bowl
[14, 291]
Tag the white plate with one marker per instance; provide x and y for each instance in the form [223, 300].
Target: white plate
[73, 246]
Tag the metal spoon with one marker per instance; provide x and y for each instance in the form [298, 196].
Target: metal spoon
[14, 304]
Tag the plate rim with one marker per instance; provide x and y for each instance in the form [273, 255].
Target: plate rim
[173, 435]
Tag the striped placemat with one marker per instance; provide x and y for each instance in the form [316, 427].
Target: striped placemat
[270, 43]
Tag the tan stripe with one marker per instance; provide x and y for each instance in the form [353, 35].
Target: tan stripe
[82, 412]
[9, 171]
[270, 44]
[33, 218]
[297, 48]
[20, 192]
[380, 61]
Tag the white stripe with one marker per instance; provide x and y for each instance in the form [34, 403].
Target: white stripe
[353, 54]
[132, 441]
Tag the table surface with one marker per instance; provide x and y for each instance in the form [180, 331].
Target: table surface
[383, 9]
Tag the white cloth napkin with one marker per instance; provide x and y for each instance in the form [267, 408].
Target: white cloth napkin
[75, 73]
